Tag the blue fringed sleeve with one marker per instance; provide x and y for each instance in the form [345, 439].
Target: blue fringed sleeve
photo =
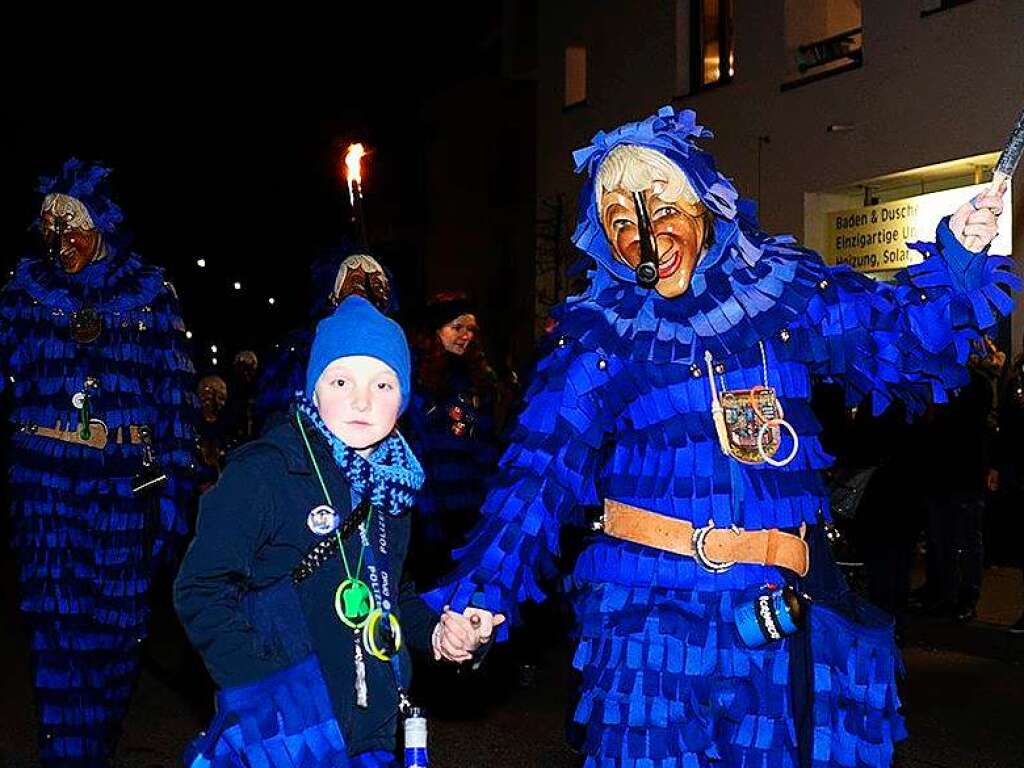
[177, 408]
[910, 339]
[548, 471]
[6, 337]
[282, 721]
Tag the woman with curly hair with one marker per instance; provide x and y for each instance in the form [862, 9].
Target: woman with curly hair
[453, 426]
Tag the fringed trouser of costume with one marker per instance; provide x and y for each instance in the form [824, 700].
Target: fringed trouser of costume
[84, 581]
[668, 683]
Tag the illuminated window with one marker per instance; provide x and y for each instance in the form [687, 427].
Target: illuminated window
[575, 75]
[714, 57]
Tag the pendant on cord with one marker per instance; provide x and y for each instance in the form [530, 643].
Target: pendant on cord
[749, 422]
[382, 635]
[86, 325]
[353, 602]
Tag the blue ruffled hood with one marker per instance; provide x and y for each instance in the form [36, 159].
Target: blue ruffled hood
[674, 135]
[86, 182]
[118, 282]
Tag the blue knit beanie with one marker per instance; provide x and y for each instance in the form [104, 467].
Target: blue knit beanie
[358, 328]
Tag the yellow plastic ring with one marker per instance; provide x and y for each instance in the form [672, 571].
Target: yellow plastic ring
[370, 632]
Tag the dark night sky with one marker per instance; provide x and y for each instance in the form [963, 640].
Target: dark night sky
[226, 146]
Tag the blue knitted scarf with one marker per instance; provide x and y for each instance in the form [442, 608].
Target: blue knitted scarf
[391, 475]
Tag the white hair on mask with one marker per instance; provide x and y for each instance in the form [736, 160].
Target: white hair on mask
[69, 208]
[634, 169]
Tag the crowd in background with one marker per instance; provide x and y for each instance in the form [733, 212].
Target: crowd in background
[948, 485]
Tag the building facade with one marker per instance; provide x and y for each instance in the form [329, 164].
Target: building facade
[818, 106]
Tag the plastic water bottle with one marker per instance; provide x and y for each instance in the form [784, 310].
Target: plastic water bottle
[415, 730]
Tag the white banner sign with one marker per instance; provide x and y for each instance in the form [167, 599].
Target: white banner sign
[874, 238]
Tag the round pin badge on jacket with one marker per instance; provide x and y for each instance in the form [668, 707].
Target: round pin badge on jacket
[322, 520]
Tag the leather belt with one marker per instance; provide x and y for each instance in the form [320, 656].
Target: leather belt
[98, 434]
[714, 549]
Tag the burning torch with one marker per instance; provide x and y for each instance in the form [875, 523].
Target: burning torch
[1007, 164]
[353, 175]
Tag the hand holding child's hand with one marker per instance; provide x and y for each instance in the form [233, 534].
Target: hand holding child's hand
[456, 636]
[484, 622]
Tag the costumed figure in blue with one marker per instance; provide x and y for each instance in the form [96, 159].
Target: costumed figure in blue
[94, 351]
[285, 371]
[293, 591]
[713, 628]
[453, 428]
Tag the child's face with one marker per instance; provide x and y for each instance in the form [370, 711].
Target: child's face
[358, 398]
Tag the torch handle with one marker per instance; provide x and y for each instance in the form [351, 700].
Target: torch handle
[1005, 166]
[1011, 154]
[359, 214]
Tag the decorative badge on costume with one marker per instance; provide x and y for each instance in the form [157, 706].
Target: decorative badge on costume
[752, 418]
[750, 422]
[86, 325]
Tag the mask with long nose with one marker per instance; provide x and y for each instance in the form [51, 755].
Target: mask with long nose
[653, 219]
[678, 231]
[69, 233]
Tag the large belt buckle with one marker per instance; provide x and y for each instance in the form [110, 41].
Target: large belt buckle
[699, 540]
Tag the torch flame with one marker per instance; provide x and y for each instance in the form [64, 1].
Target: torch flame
[353, 168]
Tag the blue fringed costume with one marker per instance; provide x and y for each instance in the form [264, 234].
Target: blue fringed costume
[621, 409]
[457, 464]
[87, 547]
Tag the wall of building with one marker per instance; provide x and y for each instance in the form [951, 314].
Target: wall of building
[931, 89]
[479, 237]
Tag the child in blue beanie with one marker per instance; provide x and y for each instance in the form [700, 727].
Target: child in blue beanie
[292, 590]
